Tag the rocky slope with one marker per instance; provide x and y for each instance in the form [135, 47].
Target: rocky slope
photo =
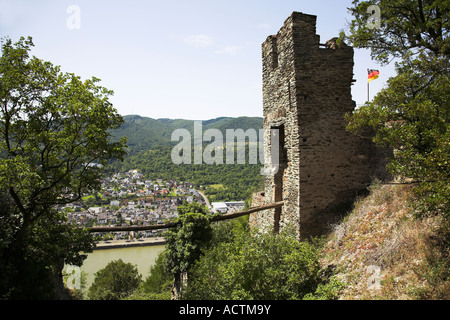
[382, 251]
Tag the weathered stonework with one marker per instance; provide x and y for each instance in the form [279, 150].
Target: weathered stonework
[306, 92]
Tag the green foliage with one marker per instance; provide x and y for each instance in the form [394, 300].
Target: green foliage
[54, 141]
[30, 265]
[239, 180]
[116, 281]
[24, 275]
[229, 230]
[405, 26]
[158, 284]
[411, 115]
[146, 133]
[328, 290]
[185, 243]
[54, 137]
[158, 281]
[228, 263]
[264, 266]
[150, 147]
[140, 294]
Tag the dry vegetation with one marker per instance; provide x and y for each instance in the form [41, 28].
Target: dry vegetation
[382, 251]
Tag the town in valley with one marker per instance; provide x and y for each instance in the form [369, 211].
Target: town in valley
[127, 199]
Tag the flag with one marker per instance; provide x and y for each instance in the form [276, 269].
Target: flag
[372, 74]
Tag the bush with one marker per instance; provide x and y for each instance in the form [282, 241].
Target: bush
[159, 282]
[116, 281]
[256, 267]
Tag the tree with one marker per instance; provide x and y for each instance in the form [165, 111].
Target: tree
[403, 27]
[186, 242]
[54, 142]
[116, 281]
[411, 115]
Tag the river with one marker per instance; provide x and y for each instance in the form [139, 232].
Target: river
[142, 256]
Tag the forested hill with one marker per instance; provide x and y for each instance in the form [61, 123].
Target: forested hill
[150, 145]
[146, 133]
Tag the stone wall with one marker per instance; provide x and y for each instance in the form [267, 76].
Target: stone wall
[306, 92]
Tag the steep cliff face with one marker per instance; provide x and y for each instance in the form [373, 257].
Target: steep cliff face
[382, 251]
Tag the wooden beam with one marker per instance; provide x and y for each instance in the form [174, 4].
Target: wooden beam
[248, 211]
[174, 224]
[133, 228]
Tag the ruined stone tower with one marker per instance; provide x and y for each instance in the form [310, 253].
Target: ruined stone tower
[306, 92]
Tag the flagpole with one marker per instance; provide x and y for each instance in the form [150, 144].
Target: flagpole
[368, 91]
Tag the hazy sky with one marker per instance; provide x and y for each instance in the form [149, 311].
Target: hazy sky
[174, 59]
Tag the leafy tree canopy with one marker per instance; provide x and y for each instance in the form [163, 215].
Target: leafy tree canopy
[54, 142]
[403, 26]
[411, 115]
[186, 242]
[116, 281]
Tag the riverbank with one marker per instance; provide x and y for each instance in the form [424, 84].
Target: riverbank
[112, 244]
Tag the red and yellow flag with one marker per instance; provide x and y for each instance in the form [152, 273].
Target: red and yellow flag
[372, 74]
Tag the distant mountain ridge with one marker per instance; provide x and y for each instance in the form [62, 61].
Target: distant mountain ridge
[145, 133]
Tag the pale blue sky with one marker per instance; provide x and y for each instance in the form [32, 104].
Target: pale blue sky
[174, 59]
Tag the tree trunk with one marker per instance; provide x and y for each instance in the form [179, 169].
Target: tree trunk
[60, 291]
[179, 284]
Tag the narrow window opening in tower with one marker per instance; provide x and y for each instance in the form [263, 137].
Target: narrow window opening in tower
[279, 176]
